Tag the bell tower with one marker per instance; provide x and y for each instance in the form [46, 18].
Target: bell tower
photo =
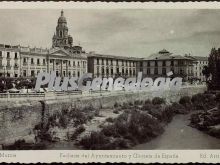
[61, 37]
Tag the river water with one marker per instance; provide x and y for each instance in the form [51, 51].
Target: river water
[178, 135]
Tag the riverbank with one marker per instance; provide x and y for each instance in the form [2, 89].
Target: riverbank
[178, 135]
[128, 125]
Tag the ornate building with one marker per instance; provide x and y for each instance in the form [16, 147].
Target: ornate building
[158, 64]
[67, 59]
[63, 57]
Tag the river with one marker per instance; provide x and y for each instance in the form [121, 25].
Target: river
[178, 135]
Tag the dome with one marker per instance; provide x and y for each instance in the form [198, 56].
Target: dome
[62, 19]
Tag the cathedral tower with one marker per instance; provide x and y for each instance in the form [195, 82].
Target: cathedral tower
[61, 37]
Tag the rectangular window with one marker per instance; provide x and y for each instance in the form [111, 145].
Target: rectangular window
[116, 62]
[97, 61]
[156, 63]
[38, 61]
[111, 71]
[148, 70]
[164, 63]
[44, 61]
[103, 71]
[97, 70]
[24, 73]
[8, 54]
[74, 64]
[0, 53]
[16, 55]
[32, 61]
[172, 63]
[155, 70]
[141, 64]
[32, 73]
[107, 71]
[164, 71]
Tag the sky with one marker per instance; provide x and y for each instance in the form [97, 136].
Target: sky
[122, 32]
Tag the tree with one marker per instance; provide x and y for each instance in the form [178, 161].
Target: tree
[206, 72]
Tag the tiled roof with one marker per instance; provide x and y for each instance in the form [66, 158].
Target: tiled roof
[112, 56]
[165, 55]
[198, 58]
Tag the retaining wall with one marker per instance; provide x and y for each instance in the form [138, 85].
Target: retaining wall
[18, 118]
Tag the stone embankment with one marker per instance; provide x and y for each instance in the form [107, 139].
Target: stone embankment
[18, 118]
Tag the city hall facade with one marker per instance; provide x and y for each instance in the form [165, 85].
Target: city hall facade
[71, 60]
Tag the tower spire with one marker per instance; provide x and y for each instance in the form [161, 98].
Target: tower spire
[62, 12]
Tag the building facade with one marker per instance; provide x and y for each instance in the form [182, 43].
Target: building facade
[67, 59]
[9, 61]
[159, 64]
[63, 57]
[198, 63]
[112, 66]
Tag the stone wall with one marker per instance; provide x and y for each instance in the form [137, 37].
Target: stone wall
[18, 118]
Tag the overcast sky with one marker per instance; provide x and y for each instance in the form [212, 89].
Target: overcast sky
[117, 32]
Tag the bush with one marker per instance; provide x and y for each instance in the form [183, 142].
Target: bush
[148, 101]
[129, 128]
[138, 102]
[63, 121]
[147, 107]
[116, 105]
[158, 100]
[179, 108]
[167, 114]
[78, 131]
[110, 120]
[185, 100]
[203, 101]
[96, 140]
[115, 111]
